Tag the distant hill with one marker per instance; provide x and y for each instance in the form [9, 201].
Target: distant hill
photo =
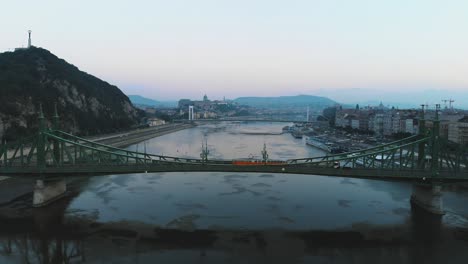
[86, 104]
[285, 101]
[143, 101]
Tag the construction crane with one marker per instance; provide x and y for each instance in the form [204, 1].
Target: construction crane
[445, 103]
[450, 103]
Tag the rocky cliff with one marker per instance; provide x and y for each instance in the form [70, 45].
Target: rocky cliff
[86, 104]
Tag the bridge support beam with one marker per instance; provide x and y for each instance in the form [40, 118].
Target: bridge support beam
[48, 192]
[428, 197]
[56, 144]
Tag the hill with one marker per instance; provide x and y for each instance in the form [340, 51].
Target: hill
[143, 101]
[86, 104]
[287, 101]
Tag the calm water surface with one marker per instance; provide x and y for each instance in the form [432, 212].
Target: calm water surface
[249, 217]
[230, 141]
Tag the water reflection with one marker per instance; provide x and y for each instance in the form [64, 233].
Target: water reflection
[39, 236]
[245, 201]
[421, 238]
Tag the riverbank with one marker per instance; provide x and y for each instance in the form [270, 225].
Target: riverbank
[125, 139]
[334, 140]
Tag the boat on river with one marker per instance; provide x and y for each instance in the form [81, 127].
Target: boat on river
[318, 143]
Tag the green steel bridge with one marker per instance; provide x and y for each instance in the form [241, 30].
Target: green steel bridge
[52, 152]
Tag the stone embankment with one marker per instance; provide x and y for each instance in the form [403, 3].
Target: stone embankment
[123, 139]
[132, 137]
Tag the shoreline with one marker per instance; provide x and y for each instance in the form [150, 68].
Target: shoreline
[121, 140]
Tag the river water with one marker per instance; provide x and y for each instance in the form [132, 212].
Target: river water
[196, 217]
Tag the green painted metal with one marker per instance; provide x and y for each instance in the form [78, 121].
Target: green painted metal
[422, 146]
[4, 153]
[40, 156]
[205, 151]
[264, 153]
[376, 148]
[54, 151]
[56, 127]
[435, 141]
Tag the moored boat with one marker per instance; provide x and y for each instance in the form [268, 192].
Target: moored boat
[318, 143]
[296, 134]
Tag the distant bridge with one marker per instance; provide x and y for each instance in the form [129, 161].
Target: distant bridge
[246, 119]
[55, 152]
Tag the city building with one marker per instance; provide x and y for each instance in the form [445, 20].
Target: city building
[155, 122]
[458, 131]
[411, 126]
[206, 108]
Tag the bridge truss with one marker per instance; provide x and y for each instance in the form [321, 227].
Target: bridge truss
[53, 152]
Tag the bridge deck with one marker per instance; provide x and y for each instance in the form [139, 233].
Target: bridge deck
[54, 152]
[404, 175]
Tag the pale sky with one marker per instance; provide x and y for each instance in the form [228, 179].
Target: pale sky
[174, 49]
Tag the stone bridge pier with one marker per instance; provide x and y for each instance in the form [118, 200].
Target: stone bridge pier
[428, 197]
[48, 191]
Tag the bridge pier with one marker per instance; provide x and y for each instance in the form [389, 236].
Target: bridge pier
[428, 197]
[46, 192]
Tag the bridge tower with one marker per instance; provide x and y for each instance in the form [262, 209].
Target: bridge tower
[428, 196]
[41, 140]
[264, 153]
[55, 126]
[422, 145]
[435, 143]
[205, 152]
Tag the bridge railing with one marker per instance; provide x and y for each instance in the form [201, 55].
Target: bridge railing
[94, 147]
[61, 149]
[452, 157]
[403, 155]
[19, 153]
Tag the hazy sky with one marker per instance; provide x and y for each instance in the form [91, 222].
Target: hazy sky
[171, 49]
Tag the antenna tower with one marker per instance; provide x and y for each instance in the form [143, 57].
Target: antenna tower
[29, 39]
